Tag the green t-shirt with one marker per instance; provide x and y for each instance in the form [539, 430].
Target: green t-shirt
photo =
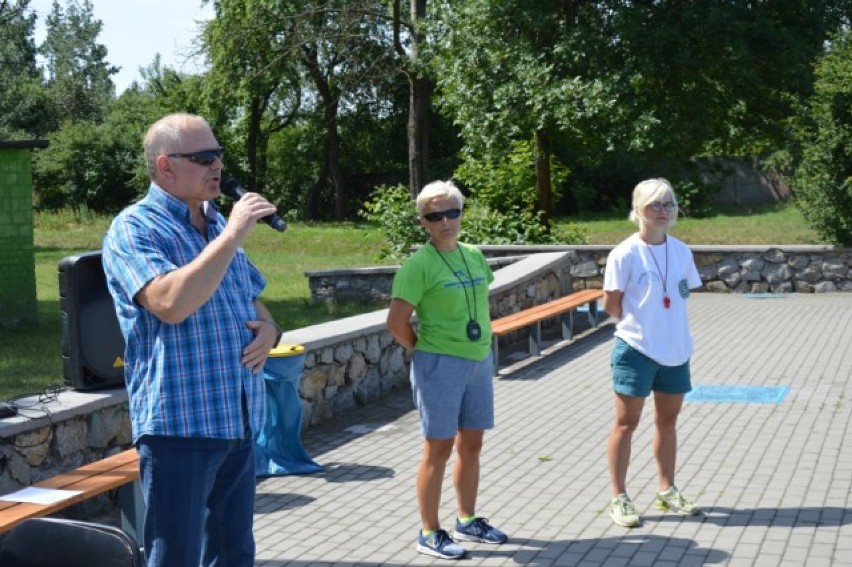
[446, 297]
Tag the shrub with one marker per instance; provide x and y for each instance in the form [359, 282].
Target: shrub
[508, 181]
[823, 181]
[393, 209]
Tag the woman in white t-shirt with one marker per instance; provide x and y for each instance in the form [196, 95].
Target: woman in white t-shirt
[646, 284]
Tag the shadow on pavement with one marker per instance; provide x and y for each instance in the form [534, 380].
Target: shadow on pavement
[338, 431]
[350, 472]
[268, 502]
[804, 517]
[557, 352]
[644, 550]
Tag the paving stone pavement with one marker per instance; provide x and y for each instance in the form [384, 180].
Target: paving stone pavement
[774, 479]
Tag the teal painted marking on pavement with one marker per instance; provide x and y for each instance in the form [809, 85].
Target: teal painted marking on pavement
[765, 295]
[738, 394]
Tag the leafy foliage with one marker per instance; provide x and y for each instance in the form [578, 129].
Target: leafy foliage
[394, 211]
[620, 85]
[310, 100]
[22, 101]
[87, 166]
[823, 180]
[485, 225]
[508, 181]
[78, 75]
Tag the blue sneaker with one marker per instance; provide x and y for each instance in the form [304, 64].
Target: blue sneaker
[439, 544]
[478, 529]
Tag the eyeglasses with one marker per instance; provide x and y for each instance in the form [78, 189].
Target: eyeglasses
[204, 157]
[658, 207]
[438, 215]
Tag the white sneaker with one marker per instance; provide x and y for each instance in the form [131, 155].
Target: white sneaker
[674, 500]
[623, 512]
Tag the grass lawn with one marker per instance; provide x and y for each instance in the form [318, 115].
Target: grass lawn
[743, 225]
[31, 356]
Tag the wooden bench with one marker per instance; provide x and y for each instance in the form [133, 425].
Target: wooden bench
[533, 316]
[119, 471]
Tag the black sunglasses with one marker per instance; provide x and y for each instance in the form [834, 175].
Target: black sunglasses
[438, 215]
[204, 157]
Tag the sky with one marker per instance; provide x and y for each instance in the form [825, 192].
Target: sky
[134, 31]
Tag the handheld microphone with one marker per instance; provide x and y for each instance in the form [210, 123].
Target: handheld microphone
[232, 188]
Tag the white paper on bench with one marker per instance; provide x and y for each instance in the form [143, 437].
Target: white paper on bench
[36, 495]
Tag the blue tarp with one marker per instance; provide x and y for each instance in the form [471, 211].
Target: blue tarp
[278, 447]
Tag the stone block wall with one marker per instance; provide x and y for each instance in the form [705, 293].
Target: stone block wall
[726, 269]
[60, 432]
[366, 284]
[353, 361]
[745, 269]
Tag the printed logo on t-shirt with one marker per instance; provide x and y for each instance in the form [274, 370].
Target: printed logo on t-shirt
[683, 286]
[462, 280]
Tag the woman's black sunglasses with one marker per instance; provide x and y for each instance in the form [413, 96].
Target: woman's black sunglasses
[204, 157]
[438, 215]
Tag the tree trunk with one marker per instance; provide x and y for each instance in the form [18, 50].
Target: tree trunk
[332, 156]
[542, 176]
[332, 137]
[418, 134]
[418, 107]
[255, 116]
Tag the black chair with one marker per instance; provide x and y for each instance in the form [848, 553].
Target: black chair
[53, 542]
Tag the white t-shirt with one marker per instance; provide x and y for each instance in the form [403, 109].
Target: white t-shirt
[646, 325]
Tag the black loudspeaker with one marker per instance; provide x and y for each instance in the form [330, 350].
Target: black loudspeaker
[92, 345]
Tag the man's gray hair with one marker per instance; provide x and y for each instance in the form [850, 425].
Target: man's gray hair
[165, 136]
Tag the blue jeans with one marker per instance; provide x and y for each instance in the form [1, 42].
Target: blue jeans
[199, 497]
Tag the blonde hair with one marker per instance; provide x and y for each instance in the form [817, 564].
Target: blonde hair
[436, 190]
[649, 191]
[165, 135]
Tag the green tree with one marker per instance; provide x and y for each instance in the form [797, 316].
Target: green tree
[257, 85]
[22, 101]
[408, 48]
[78, 74]
[330, 53]
[823, 180]
[516, 70]
[626, 88]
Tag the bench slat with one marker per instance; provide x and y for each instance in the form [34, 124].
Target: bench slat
[533, 316]
[91, 479]
[543, 311]
[64, 480]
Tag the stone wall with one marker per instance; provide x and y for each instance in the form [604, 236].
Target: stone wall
[745, 269]
[354, 361]
[366, 284]
[349, 362]
[738, 269]
[54, 433]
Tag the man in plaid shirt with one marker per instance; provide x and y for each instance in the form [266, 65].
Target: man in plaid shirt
[196, 337]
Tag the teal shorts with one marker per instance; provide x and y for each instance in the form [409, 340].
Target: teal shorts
[634, 374]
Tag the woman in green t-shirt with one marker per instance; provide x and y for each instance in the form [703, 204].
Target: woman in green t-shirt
[446, 283]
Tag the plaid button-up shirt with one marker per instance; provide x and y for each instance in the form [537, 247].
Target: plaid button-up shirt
[184, 379]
